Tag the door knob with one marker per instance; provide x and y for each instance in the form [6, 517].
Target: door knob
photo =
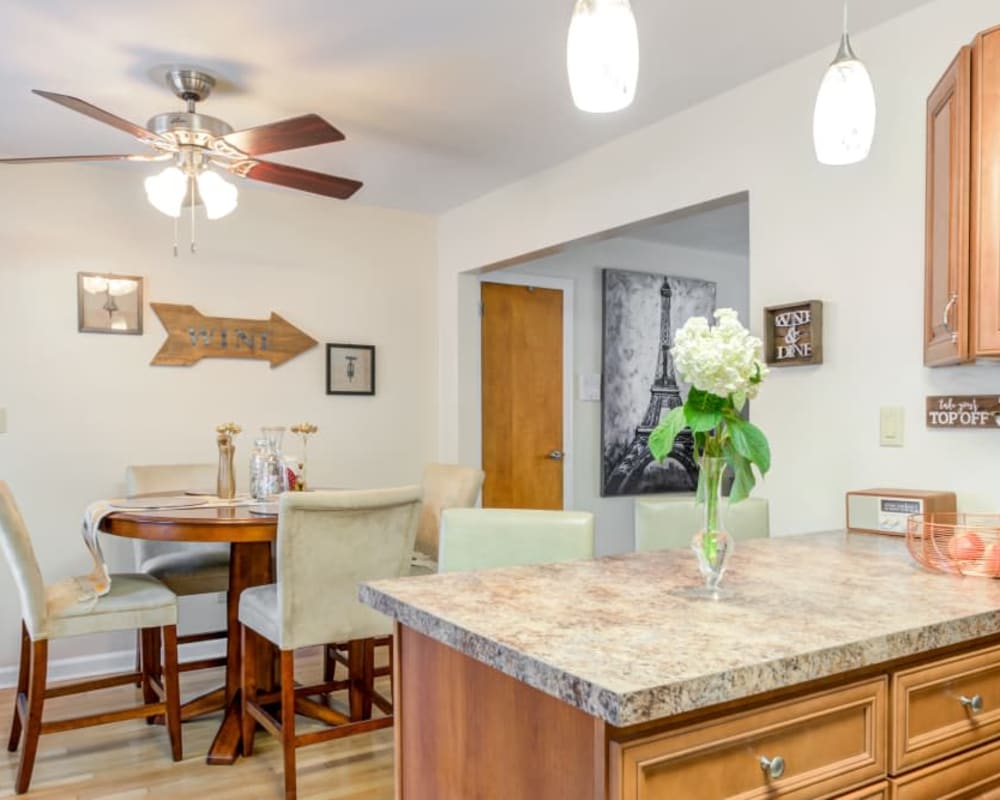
[556, 455]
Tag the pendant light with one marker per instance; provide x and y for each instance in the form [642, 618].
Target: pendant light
[844, 117]
[602, 55]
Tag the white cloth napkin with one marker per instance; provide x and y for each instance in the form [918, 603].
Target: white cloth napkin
[81, 592]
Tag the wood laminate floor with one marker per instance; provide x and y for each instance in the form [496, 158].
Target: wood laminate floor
[131, 760]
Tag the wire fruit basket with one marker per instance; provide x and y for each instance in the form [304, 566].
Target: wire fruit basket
[961, 544]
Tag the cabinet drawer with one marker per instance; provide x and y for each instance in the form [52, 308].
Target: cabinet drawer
[974, 775]
[880, 791]
[830, 742]
[929, 719]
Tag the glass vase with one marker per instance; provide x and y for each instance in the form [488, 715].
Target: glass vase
[225, 481]
[712, 544]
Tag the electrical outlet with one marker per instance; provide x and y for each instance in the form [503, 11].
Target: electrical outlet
[891, 426]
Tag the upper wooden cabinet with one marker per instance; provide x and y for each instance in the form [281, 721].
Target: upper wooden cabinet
[962, 269]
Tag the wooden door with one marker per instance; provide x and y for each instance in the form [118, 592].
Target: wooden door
[946, 290]
[985, 226]
[522, 375]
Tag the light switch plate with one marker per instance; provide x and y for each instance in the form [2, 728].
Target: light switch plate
[590, 387]
[3, 420]
[891, 426]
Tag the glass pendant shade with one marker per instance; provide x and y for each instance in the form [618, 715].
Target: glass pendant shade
[602, 55]
[218, 194]
[166, 191]
[844, 117]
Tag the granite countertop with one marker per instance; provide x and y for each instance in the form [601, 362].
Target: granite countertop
[619, 638]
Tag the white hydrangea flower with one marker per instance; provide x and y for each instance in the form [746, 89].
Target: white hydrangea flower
[723, 359]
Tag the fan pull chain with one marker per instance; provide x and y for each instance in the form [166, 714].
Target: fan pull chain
[176, 225]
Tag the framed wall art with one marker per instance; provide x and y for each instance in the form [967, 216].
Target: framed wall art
[108, 303]
[350, 369]
[642, 312]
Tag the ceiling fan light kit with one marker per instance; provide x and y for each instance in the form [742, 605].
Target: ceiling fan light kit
[602, 55]
[844, 116]
[197, 146]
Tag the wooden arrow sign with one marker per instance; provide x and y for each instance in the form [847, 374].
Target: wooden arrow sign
[191, 336]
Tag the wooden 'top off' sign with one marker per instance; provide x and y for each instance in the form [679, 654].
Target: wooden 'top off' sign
[793, 334]
[191, 336]
[964, 411]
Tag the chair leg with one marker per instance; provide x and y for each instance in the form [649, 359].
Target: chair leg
[23, 672]
[288, 720]
[329, 663]
[138, 658]
[33, 723]
[361, 668]
[149, 659]
[248, 693]
[172, 690]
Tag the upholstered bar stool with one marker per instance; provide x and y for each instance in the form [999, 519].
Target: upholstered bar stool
[444, 486]
[481, 538]
[186, 568]
[134, 602]
[663, 523]
[328, 543]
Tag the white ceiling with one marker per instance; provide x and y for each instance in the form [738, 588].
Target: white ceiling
[441, 100]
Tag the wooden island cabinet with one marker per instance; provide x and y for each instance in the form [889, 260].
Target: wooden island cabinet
[962, 251]
[858, 676]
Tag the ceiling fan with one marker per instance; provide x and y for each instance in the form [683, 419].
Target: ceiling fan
[193, 143]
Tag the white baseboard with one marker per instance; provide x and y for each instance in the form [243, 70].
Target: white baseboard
[64, 669]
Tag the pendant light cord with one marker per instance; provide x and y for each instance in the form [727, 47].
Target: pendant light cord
[845, 17]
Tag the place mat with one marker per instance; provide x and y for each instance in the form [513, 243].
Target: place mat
[157, 503]
[264, 509]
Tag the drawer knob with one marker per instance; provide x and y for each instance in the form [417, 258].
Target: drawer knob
[773, 767]
[974, 703]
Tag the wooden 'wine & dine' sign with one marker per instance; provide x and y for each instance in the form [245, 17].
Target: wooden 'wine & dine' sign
[964, 411]
[191, 336]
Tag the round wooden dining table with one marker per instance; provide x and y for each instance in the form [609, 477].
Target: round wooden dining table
[250, 537]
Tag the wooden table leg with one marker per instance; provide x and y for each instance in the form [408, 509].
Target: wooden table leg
[249, 565]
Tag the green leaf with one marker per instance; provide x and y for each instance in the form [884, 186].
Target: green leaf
[703, 410]
[743, 478]
[739, 400]
[661, 440]
[750, 442]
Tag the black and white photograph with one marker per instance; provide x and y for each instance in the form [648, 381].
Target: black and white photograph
[642, 313]
[108, 303]
[350, 369]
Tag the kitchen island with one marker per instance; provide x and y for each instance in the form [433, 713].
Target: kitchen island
[834, 667]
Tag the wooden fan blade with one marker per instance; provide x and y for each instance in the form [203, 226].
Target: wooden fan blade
[60, 159]
[296, 178]
[288, 134]
[83, 107]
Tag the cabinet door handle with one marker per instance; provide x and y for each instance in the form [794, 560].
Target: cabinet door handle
[947, 313]
[974, 703]
[556, 455]
[773, 767]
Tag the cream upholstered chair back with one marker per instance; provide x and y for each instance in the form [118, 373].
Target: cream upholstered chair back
[149, 478]
[328, 544]
[480, 538]
[663, 523]
[445, 486]
[20, 555]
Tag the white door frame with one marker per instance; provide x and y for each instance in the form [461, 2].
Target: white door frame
[566, 287]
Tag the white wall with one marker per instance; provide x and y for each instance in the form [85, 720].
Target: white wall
[80, 407]
[582, 265]
[852, 237]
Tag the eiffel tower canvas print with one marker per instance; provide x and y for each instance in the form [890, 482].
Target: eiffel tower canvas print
[642, 312]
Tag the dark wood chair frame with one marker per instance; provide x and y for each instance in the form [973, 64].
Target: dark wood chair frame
[160, 688]
[294, 699]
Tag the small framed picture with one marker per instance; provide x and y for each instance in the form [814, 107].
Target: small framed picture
[350, 369]
[108, 303]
